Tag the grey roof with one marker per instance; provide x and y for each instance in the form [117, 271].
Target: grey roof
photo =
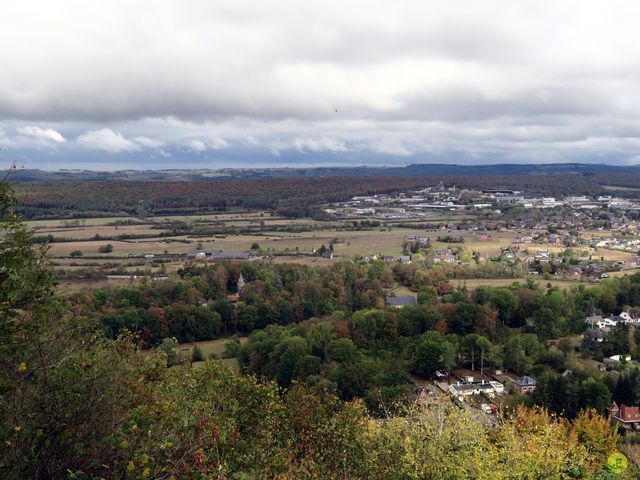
[222, 255]
[397, 301]
[525, 381]
[596, 332]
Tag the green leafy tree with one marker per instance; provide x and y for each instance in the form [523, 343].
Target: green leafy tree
[341, 350]
[485, 349]
[368, 323]
[196, 354]
[319, 336]
[433, 354]
[501, 300]
[231, 348]
[64, 388]
[477, 347]
[108, 248]
[169, 347]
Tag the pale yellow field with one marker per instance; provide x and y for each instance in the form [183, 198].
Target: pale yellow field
[504, 282]
[81, 233]
[400, 291]
[302, 260]
[120, 248]
[214, 216]
[623, 273]
[614, 188]
[83, 222]
[614, 254]
[491, 247]
[380, 240]
[70, 286]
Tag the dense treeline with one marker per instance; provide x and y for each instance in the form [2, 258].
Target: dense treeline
[350, 344]
[293, 197]
[287, 293]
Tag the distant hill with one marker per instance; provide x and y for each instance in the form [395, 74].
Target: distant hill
[409, 170]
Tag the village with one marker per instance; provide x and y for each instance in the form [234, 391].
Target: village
[487, 391]
[569, 238]
[413, 204]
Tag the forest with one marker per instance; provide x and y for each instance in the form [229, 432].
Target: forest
[82, 394]
[292, 197]
[329, 327]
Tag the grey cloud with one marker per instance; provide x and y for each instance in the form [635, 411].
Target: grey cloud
[214, 61]
[524, 79]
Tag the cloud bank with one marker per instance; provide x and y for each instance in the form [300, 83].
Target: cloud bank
[354, 81]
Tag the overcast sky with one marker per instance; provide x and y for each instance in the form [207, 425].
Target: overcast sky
[163, 84]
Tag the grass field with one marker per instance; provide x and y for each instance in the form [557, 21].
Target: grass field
[401, 291]
[85, 222]
[614, 188]
[70, 286]
[120, 248]
[623, 273]
[81, 233]
[379, 241]
[504, 282]
[487, 248]
[209, 347]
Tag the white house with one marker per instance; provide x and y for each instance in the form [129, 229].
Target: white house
[596, 321]
[491, 388]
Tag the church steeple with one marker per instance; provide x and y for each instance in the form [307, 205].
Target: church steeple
[241, 284]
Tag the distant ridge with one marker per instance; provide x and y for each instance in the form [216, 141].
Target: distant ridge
[435, 169]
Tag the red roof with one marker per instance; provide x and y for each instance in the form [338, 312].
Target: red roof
[629, 414]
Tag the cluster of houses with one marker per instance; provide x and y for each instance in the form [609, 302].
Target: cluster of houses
[388, 258]
[467, 390]
[600, 326]
[574, 229]
[414, 203]
[444, 255]
[612, 243]
[574, 202]
[631, 317]
[589, 266]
